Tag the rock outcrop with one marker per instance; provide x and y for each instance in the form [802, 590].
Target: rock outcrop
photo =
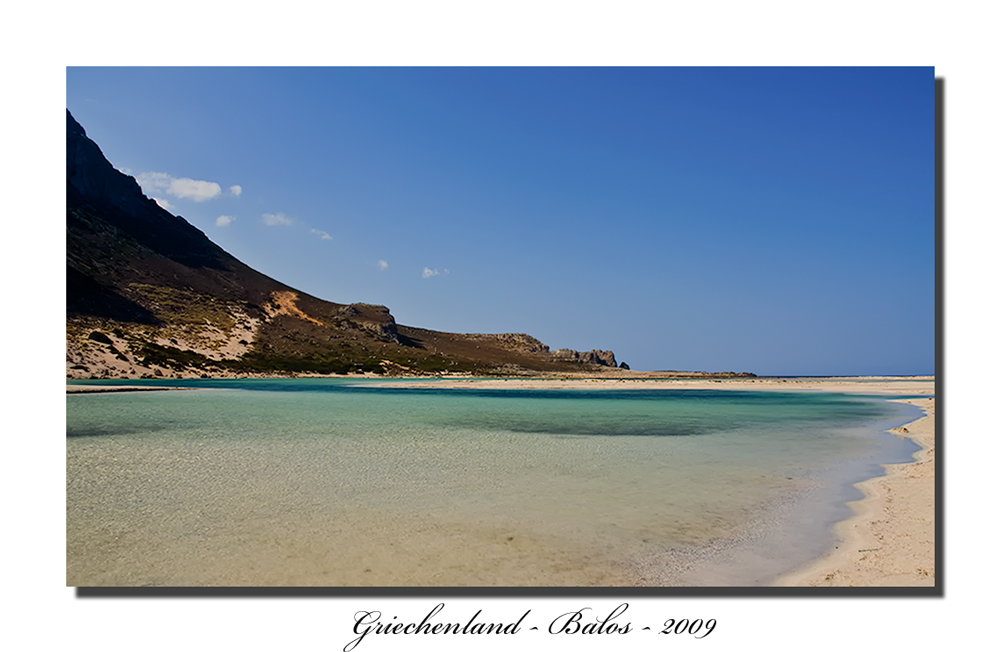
[603, 358]
[512, 341]
[375, 319]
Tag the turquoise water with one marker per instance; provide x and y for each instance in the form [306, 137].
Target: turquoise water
[350, 482]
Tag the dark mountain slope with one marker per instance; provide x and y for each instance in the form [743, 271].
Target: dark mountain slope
[148, 294]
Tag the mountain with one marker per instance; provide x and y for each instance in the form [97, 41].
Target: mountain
[149, 295]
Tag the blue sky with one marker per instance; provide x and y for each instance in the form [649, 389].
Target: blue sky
[772, 220]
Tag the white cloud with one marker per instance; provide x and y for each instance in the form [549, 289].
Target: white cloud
[183, 188]
[195, 190]
[322, 234]
[383, 265]
[236, 190]
[428, 272]
[276, 219]
[224, 220]
[163, 203]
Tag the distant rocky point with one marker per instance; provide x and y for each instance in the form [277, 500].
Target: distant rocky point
[603, 358]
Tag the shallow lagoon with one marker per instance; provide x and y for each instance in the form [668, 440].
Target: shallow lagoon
[358, 483]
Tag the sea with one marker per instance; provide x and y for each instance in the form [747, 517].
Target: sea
[370, 482]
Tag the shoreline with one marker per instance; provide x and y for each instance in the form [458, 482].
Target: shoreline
[890, 539]
[872, 385]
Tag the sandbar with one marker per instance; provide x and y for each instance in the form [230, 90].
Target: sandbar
[880, 385]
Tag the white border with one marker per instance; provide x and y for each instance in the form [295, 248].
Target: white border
[47, 38]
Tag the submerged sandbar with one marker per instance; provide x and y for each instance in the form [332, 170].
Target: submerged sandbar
[104, 389]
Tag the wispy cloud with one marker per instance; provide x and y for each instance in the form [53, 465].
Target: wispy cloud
[236, 190]
[276, 219]
[428, 272]
[323, 235]
[164, 204]
[224, 220]
[382, 265]
[182, 188]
